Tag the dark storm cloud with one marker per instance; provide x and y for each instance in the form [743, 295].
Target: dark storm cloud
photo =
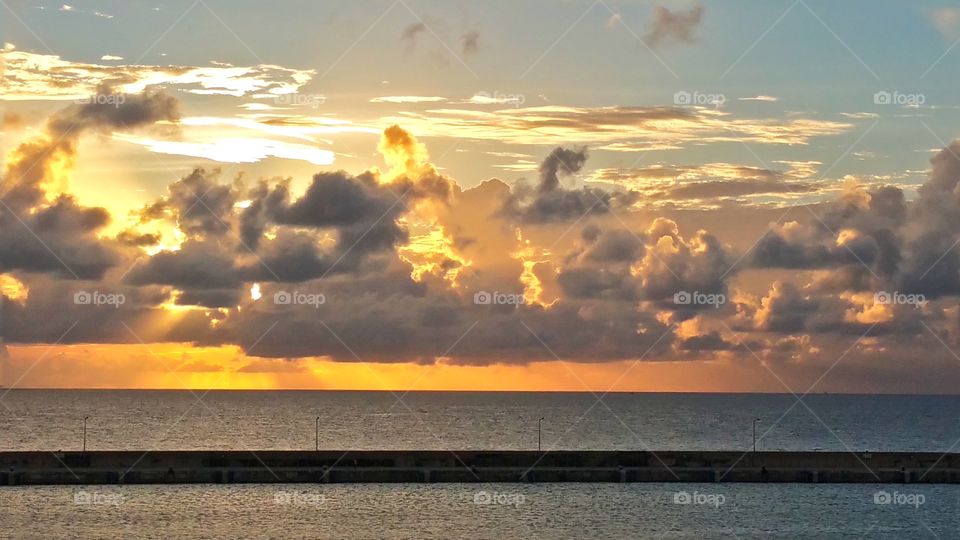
[201, 204]
[931, 259]
[623, 266]
[785, 309]
[550, 202]
[60, 235]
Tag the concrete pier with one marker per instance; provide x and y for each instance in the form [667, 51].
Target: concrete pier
[414, 466]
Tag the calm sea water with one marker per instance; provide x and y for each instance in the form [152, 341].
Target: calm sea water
[40, 419]
[182, 420]
[451, 511]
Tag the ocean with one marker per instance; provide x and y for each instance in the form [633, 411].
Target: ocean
[179, 420]
[286, 420]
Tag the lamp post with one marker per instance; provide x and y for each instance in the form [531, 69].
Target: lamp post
[539, 437]
[755, 420]
[317, 436]
[85, 434]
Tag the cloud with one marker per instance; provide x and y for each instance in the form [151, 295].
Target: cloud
[549, 202]
[45, 229]
[30, 76]
[412, 33]
[408, 99]
[696, 184]
[625, 129]
[470, 42]
[946, 20]
[399, 253]
[673, 26]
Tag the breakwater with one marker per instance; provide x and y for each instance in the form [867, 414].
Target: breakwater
[414, 466]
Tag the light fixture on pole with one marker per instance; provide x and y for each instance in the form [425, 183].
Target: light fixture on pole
[85, 434]
[755, 420]
[539, 437]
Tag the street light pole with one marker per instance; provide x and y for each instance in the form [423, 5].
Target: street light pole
[85, 434]
[755, 420]
[318, 434]
[539, 437]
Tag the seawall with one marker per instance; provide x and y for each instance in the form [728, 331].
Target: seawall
[331, 466]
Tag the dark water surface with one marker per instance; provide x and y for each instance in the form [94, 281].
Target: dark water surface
[181, 420]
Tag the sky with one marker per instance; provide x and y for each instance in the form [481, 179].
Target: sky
[565, 195]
